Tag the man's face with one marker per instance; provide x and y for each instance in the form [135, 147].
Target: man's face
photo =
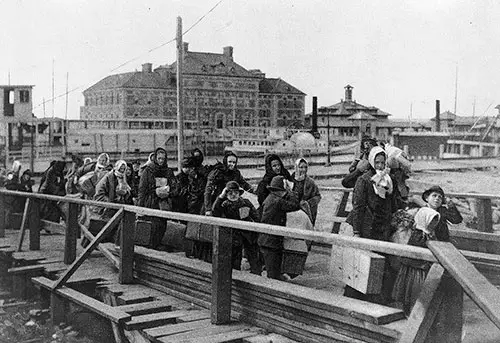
[276, 166]
[435, 200]
[231, 162]
[161, 157]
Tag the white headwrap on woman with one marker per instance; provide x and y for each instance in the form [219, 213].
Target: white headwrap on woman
[424, 217]
[99, 165]
[297, 176]
[382, 182]
[122, 188]
[16, 167]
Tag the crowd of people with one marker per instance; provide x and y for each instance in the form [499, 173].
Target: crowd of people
[382, 208]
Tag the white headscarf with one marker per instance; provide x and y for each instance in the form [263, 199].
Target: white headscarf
[382, 182]
[297, 176]
[101, 166]
[397, 158]
[122, 188]
[16, 167]
[424, 217]
[118, 165]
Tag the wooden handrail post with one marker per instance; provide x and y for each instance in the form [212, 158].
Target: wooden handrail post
[340, 210]
[3, 221]
[24, 223]
[72, 229]
[485, 221]
[126, 273]
[221, 275]
[34, 224]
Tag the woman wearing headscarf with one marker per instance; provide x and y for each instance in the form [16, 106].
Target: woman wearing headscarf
[98, 169]
[52, 183]
[220, 176]
[114, 188]
[412, 273]
[306, 189]
[373, 203]
[274, 167]
[157, 187]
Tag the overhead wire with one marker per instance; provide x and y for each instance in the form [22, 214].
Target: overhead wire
[137, 57]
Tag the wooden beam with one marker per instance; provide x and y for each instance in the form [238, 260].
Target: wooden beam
[485, 221]
[126, 273]
[105, 251]
[426, 307]
[477, 287]
[98, 238]
[2, 216]
[221, 275]
[24, 224]
[34, 225]
[71, 233]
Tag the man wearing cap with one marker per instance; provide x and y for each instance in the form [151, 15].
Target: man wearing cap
[275, 207]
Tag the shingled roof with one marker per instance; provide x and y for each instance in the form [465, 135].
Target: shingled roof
[277, 85]
[131, 80]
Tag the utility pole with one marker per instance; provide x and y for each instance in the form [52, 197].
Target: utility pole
[328, 162]
[180, 103]
[65, 145]
[53, 90]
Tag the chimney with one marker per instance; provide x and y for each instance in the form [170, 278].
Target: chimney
[438, 120]
[147, 68]
[185, 46]
[228, 51]
[348, 93]
[314, 117]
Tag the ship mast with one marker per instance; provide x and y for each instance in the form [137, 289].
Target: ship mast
[180, 102]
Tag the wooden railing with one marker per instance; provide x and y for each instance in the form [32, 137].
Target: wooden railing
[440, 299]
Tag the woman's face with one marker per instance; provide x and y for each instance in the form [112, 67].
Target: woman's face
[122, 168]
[302, 168]
[276, 166]
[435, 200]
[128, 171]
[380, 162]
[231, 162]
[102, 160]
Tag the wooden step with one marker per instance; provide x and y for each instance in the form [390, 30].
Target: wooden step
[133, 298]
[155, 319]
[146, 308]
[173, 329]
[267, 338]
[212, 333]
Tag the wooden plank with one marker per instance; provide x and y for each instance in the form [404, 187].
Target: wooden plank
[134, 298]
[146, 308]
[485, 221]
[476, 235]
[34, 225]
[25, 269]
[221, 275]
[83, 300]
[477, 287]
[194, 316]
[154, 319]
[173, 329]
[57, 309]
[126, 272]
[2, 216]
[103, 247]
[71, 234]
[100, 236]
[426, 307]
[24, 224]
[232, 336]
[203, 333]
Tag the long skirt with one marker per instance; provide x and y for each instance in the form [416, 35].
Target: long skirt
[408, 284]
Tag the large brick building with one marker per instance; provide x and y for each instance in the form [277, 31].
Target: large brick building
[218, 93]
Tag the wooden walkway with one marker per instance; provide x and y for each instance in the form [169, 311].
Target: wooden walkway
[154, 315]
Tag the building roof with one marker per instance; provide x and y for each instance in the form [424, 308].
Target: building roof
[447, 115]
[345, 108]
[362, 116]
[131, 80]
[211, 63]
[277, 85]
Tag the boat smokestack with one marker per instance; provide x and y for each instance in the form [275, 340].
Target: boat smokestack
[314, 117]
[438, 119]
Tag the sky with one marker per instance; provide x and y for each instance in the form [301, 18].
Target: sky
[399, 55]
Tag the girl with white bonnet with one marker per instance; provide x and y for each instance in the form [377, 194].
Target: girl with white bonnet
[412, 273]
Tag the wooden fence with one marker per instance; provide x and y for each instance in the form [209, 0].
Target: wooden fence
[440, 299]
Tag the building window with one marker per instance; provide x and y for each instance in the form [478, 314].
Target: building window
[11, 97]
[24, 96]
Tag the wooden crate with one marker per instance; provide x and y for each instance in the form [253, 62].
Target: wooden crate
[143, 234]
[362, 270]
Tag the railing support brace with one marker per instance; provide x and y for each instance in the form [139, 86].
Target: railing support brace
[127, 248]
[72, 229]
[221, 275]
[34, 224]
